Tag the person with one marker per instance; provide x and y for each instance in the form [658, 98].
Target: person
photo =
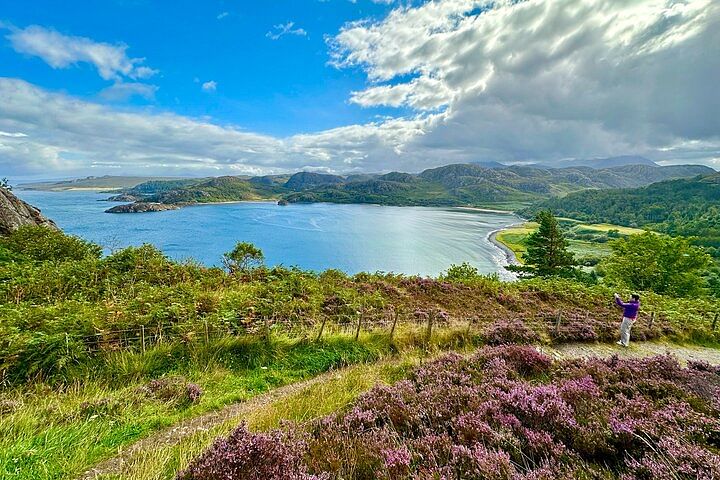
[630, 313]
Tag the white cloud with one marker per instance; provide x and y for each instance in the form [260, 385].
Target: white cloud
[62, 51]
[210, 86]
[486, 80]
[546, 79]
[223, 15]
[64, 134]
[283, 29]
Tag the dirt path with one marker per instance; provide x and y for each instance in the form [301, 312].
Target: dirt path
[174, 435]
[684, 353]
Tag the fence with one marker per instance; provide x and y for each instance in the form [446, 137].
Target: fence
[558, 325]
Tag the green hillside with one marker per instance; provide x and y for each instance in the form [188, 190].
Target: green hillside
[685, 207]
[452, 185]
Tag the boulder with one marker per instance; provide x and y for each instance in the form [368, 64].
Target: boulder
[14, 213]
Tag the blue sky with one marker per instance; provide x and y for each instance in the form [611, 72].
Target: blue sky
[278, 86]
[259, 87]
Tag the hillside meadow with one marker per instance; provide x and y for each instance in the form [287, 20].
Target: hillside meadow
[97, 351]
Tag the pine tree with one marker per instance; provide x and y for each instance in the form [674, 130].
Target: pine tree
[547, 254]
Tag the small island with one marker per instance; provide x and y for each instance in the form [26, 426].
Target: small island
[142, 207]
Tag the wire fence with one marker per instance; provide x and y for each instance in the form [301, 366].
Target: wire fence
[558, 325]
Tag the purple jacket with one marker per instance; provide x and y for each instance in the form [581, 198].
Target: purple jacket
[630, 309]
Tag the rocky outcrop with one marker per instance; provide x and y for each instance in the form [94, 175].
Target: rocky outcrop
[123, 197]
[142, 207]
[14, 213]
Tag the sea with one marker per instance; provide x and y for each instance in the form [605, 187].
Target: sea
[353, 238]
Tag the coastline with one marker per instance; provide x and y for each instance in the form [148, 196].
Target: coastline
[510, 256]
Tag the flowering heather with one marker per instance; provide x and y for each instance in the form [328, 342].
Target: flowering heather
[507, 412]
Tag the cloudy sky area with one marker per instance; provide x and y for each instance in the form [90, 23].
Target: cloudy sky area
[235, 87]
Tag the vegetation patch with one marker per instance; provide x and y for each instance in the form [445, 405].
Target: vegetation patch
[507, 412]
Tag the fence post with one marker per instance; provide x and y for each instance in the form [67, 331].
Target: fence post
[715, 320]
[394, 324]
[67, 344]
[428, 334]
[558, 321]
[360, 318]
[142, 335]
[266, 327]
[469, 326]
[322, 329]
[652, 320]
[207, 333]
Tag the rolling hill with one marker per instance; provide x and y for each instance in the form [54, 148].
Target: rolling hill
[452, 185]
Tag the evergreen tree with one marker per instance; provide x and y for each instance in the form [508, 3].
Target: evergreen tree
[547, 254]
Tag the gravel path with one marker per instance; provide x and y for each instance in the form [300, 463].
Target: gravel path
[174, 435]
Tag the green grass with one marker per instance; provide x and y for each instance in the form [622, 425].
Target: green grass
[514, 237]
[60, 433]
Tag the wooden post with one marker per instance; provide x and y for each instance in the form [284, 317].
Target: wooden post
[652, 320]
[357, 331]
[715, 320]
[428, 334]
[142, 335]
[67, 344]
[160, 334]
[558, 321]
[207, 333]
[322, 328]
[469, 326]
[394, 324]
[266, 326]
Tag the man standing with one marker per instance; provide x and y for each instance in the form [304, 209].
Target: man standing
[630, 313]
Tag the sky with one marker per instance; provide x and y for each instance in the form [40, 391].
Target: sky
[221, 87]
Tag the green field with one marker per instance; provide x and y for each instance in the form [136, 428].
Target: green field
[587, 241]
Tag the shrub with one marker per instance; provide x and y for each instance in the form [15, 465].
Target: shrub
[507, 412]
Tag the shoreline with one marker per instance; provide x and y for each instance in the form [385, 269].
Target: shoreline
[510, 256]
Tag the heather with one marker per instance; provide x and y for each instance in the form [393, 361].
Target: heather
[504, 412]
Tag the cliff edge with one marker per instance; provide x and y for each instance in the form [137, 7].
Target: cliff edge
[15, 213]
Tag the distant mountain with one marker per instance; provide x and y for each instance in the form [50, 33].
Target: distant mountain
[686, 206]
[306, 180]
[489, 164]
[509, 187]
[106, 182]
[608, 162]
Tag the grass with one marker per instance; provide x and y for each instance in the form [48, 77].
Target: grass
[58, 434]
[312, 402]
[586, 244]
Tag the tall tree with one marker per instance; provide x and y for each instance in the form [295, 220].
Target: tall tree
[656, 262]
[547, 254]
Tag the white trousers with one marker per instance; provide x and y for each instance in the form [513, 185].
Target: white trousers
[625, 327]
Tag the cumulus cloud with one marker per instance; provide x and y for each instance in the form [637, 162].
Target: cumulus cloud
[484, 80]
[64, 134]
[546, 79]
[62, 51]
[283, 29]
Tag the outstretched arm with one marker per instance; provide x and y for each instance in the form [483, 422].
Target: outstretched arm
[620, 302]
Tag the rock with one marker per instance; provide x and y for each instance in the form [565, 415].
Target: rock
[123, 197]
[14, 213]
[142, 207]
[282, 202]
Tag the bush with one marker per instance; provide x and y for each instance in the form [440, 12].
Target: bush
[44, 244]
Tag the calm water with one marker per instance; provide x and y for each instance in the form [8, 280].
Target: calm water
[352, 238]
